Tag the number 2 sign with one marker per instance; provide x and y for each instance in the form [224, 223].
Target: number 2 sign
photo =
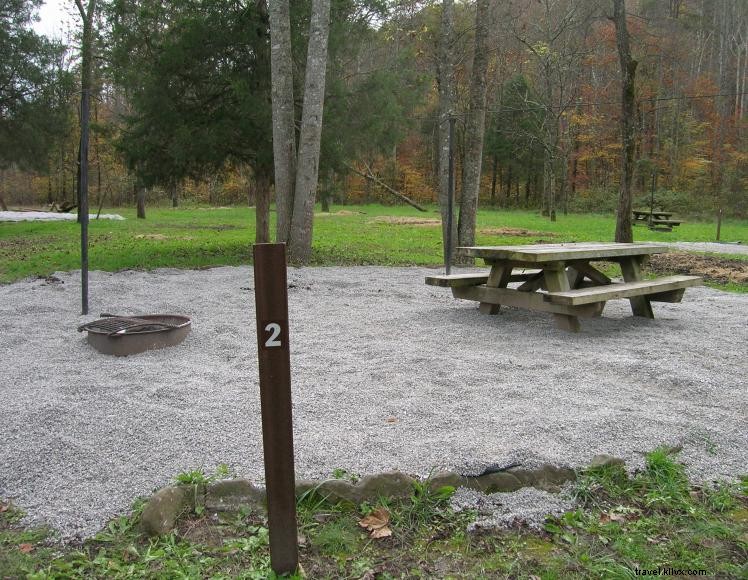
[273, 357]
[275, 335]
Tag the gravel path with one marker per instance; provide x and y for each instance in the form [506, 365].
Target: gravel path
[48, 216]
[711, 247]
[83, 434]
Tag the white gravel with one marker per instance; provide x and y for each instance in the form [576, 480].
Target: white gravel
[527, 506]
[83, 434]
[711, 247]
[49, 216]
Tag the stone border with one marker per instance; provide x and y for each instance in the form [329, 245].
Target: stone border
[167, 505]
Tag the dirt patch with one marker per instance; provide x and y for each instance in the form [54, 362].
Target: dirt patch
[151, 237]
[521, 232]
[407, 221]
[712, 268]
[341, 213]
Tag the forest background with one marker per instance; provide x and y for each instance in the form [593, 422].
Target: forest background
[181, 108]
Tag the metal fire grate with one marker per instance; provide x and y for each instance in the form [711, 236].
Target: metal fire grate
[120, 325]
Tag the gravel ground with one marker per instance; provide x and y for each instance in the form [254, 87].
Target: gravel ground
[48, 216]
[528, 506]
[711, 247]
[388, 373]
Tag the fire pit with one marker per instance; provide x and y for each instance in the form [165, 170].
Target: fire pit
[126, 335]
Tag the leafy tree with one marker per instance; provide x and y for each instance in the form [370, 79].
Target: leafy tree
[198, 89]
[514, 137]
[33, 93]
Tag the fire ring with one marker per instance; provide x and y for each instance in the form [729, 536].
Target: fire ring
[126, 335]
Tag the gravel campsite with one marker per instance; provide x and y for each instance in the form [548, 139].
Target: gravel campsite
[388, 373]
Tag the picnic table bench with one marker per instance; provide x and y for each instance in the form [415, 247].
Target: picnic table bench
[560, 279]
[655, 218]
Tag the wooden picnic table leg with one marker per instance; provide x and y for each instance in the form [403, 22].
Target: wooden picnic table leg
[631, 270]
[556, 280]
[498, 278]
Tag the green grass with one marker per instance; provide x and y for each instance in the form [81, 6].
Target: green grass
[651, 520]
[204, 237]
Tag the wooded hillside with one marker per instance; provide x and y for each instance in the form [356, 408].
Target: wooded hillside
[181, 106]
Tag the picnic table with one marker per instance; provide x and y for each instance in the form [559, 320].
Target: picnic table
[561, 279]
[655, 218]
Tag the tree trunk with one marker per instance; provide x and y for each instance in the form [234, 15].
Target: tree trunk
[141, 203]
[624, 232]
[174, 195]
[284, 132]
[307, 168]
[445, 79]
[473, 158]
[262, 208]
[494, 173]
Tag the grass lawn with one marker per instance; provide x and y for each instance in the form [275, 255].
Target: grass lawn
[624, 525]
[203, 237]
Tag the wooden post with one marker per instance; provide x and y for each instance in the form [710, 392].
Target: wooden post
[271, 299]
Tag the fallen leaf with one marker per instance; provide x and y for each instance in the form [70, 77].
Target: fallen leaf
[383, 532]
[4, 507]
[379, 518]
[620, 518]
[392, 419]
[25, 548]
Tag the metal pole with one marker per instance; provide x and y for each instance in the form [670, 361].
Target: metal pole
[83, 208]
[271, 300]
[450, 197]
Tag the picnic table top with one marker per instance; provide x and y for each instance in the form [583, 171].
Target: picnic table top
[653, 212]
[559, 252]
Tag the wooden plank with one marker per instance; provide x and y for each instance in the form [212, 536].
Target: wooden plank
[557, 281]
[657, 287]
[527, 300]
[647, 213]
[664, 222]
[631, 270]
[498, 278]
[543, 253]
[673, 296]
[456, 280]
[533, 283]
[525, 275]
[592, 273]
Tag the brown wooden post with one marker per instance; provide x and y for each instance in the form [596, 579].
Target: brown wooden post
[271, 299]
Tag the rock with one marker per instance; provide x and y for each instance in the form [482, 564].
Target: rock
[604, 460]
[304, 485]
[496, 482]
[337, 490]
[390, 484]
[550, 478]
[233, 494]
[526, 476]
[444, 478]
[546, 477]
[165, 507]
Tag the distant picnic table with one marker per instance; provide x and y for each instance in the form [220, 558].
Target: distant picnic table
[560, 279]
[655, 219]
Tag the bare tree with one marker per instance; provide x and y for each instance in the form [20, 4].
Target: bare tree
[628, 123]
[476, 126]
[555, 37]
[284, 136]
[307, 171]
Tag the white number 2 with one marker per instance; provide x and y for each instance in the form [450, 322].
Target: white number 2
[274, 329]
